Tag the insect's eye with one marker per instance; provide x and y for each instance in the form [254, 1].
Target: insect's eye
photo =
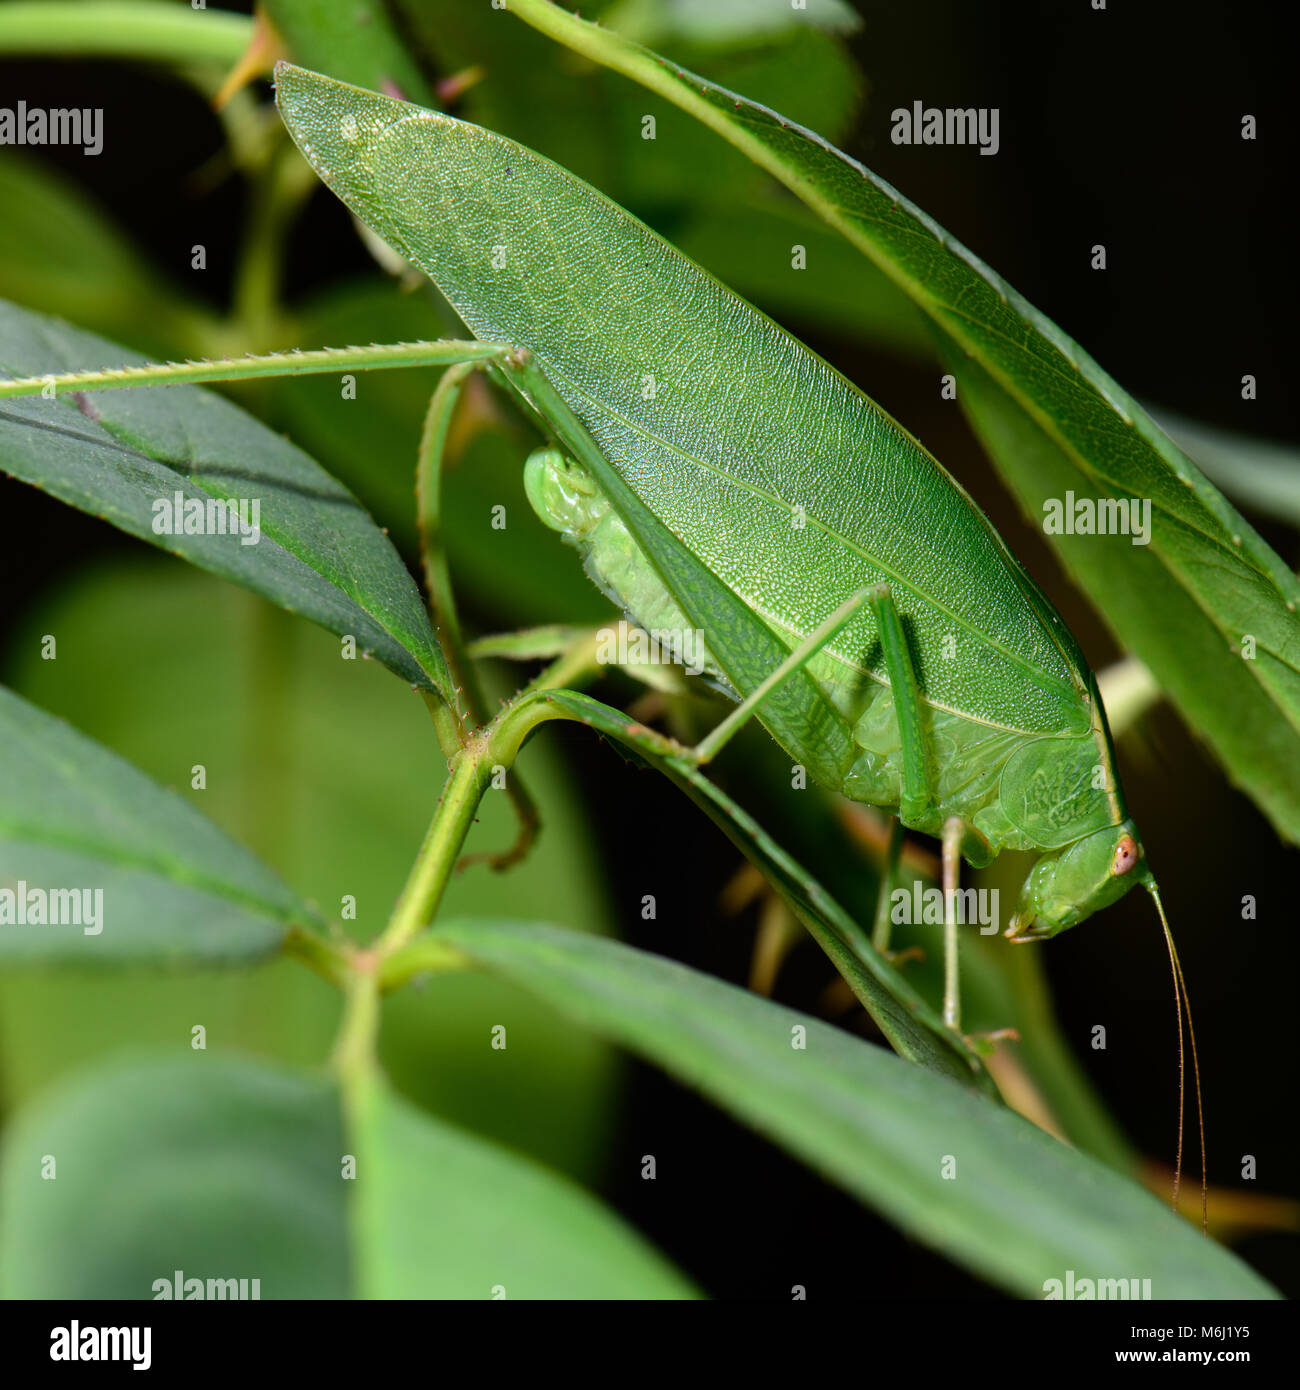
[1126, 855]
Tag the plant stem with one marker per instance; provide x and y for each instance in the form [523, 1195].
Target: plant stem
[437, 578]
[354, 1048]
[146, 31]
[471, 771]
[426, 955]
[433, 555]
[432, 354]
[322, 956]
[277, 192]
[451, 736]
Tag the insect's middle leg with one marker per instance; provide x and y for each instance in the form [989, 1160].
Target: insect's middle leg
[881, 932]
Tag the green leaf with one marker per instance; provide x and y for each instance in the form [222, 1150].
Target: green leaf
[217, 1168]
[1184, 601]
[957, 1171]
[912, 1027]
[326, 770]
[118, 454]
[1259, 473]
[726, 21]
[162, 883]
[229, 1169]
[357, 42]
[443, 1214]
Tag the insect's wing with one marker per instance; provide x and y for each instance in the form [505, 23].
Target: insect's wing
[763, 463]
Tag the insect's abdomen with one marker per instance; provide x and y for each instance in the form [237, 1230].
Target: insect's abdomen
[570, 502]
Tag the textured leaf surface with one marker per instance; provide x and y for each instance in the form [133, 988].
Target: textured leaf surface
[765, 467]
[117, 453]
[1019, 1207]
[1182, 603]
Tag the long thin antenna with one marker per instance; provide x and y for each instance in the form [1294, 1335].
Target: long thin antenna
[1182, 998]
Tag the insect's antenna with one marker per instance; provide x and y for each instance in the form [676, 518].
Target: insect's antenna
[1181, 999]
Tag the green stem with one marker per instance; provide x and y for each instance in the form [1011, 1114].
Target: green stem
[437, 577]
[424, 956]
[442, 599]
[278, 191]
[354, 1048]
[471, 771]
[375, 357]
[451, 736]
[322, 956]
[148, 31]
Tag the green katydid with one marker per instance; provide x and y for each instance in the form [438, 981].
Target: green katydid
[718, 476]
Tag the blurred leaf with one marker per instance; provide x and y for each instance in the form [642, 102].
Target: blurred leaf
[1054, 423]
[528, 95]
[1259, 473]
[221, 1169]
[964, 1175]
[356, 42]
[328, 770]
[751, 246]
[60, 254]
[169, 886]
[116, 453]
[441, 1214]
[725, 21]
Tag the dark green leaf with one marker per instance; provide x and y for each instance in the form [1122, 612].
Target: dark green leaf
[123, 454]
[954, 1169]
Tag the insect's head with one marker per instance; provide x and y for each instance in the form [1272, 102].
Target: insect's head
[559, 490]
[1083, 878]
